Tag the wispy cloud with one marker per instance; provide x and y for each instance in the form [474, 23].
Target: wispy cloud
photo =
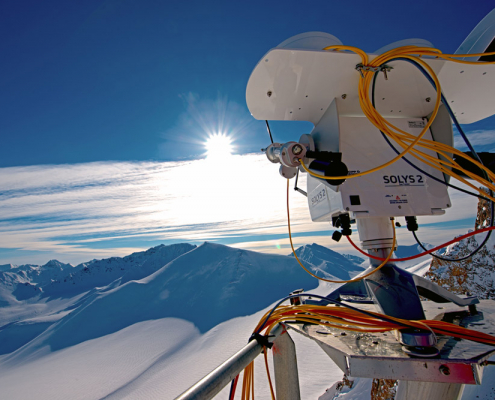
[477, 138]
[84, 211]
[74, 210]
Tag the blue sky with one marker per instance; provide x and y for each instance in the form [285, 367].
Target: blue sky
[97, 96]
[117, 80]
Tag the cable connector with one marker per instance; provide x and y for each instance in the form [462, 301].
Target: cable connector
[330, 163]
[262, 340]
[342, 221]
[412, 224]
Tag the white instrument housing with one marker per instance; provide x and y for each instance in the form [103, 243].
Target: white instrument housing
[300, 81]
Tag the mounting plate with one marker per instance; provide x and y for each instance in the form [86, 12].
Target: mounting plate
[380, 355]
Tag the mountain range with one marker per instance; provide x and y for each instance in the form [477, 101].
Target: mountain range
[182, 293]
[205, 284]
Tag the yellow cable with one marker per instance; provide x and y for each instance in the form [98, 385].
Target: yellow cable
[330, 280]
[407, 141]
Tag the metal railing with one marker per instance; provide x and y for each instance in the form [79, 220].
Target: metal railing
[216, 380]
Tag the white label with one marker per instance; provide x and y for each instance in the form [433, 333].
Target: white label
[416, 124]
[396, 198]
[319, 197]
[403, 180]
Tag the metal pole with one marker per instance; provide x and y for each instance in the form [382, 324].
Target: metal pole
[216, 380]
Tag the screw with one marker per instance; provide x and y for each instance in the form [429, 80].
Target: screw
[297, 149]
[444, 370]
[269, 93]
[428, 99]
[344, 96]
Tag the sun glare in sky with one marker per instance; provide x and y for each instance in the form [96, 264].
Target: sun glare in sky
[218, 145]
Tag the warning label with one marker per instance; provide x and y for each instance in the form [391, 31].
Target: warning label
[397, 198]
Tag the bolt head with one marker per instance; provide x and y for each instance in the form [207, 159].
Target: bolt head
[444, 370]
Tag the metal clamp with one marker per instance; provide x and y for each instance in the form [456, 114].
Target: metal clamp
[385, 68]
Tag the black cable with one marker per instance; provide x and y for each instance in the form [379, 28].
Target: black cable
[411, 163]
[461, 132]
[269, 130]
[473, 152]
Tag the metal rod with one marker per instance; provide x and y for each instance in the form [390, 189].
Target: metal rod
[269, 130]
[216, 380]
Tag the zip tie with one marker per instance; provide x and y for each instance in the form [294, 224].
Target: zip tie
[262, 340]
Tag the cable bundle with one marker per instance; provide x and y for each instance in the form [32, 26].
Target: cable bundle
[408, 142]
[350, 319]
[347, 317]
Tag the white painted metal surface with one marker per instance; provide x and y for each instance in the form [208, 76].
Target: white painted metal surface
[285, 366]
[300, 85]
[397, 190]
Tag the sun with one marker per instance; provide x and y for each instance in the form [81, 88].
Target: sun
[218, 145]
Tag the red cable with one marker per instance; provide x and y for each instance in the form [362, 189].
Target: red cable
[425, 252]
[232, 389]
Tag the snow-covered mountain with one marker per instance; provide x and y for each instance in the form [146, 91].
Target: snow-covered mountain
[187, 290]
[27, 280]
[411, 250]
[205, 285]
[55, 279]
[151, 324]
[328, 263]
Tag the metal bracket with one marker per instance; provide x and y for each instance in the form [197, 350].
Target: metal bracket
[297, 189]
[380, 354]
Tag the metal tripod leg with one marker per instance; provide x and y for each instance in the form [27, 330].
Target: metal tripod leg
[396, 292]
[285, 366]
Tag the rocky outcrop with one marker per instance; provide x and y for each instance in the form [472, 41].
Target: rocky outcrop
[476, 274]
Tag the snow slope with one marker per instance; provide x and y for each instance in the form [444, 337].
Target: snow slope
[329, 263]
[152, 337]
[150, 325]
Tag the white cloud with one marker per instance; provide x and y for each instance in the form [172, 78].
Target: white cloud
[77, 212]
[69, 208]
[477, 138]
